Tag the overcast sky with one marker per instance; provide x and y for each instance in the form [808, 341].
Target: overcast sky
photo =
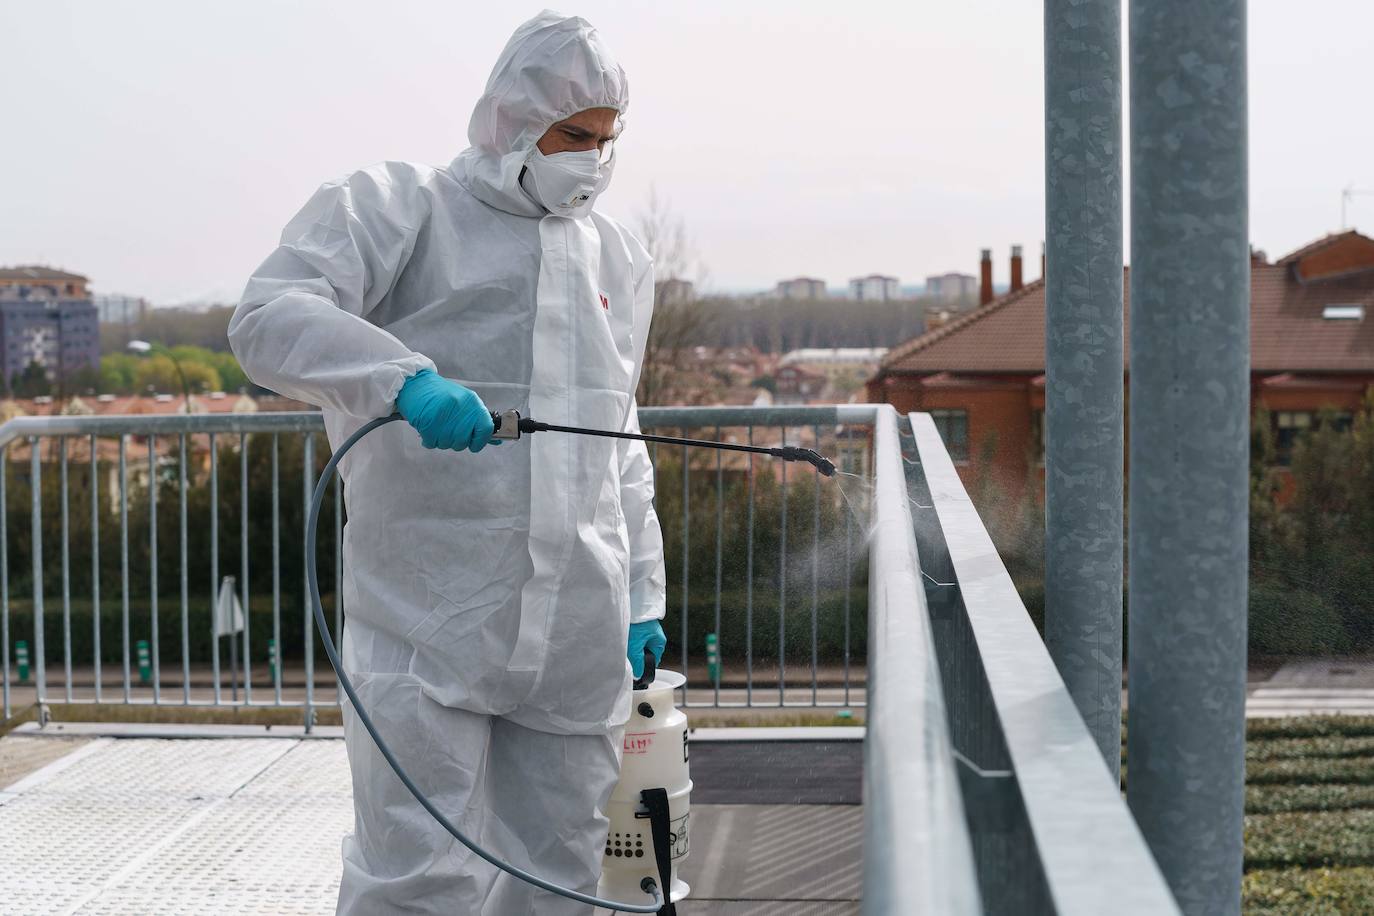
[158, 147]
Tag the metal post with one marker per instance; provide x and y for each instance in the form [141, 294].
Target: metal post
[720, 541]
[1189, 442]
[782, 585]
[243, 582]
[1083, 350]
[276, 573]
[95, 565]
[214, 569]
[152, 576]
[749, 585]
[4, 585]
[307, 492]
[125, 645]
[686, 554]
[36, 532]
[185, 578]
[66, 567]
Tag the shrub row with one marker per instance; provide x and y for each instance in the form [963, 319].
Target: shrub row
[1272, 799]
[734, 631]
[168, 625]
[1316, 892]
[1309, 839]
[1311, 771]
[830, 619]
[1309, 727]
[1330, 746]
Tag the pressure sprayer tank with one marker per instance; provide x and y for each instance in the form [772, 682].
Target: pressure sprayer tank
[648, 810]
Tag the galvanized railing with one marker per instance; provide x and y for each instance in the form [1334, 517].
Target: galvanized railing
[828, 559]
[162, 454]
[1049, 830]
[718, 585]
[984, 791]
[918, 853]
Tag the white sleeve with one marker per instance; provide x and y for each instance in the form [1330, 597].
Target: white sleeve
[301, 327]
[648, 577]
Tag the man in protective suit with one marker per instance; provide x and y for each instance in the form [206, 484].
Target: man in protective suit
[489, 595]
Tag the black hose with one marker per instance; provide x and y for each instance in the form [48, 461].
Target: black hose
[312, 575]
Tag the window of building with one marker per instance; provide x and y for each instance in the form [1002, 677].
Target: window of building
[1289, 426]
[953, 428]
[1038, 437]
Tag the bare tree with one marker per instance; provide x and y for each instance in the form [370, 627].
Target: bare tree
[679, 321]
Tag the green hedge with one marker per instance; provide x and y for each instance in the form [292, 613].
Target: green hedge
[1309, 839]
[1312, 892]
[1285, 621]
[169, 628]
[1311, 771]
[1273, 799]
[830, 619]
[1295, 748]
[1309, 727]
[830, 626]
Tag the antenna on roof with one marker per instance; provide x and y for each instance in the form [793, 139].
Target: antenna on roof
[1348, 193]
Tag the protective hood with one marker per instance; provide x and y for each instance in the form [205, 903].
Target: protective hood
[553, 67]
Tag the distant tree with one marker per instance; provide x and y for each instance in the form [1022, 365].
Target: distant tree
[208, 329]
[82, 381]
[231, 374]
[159, 373]
[33, 382]
[117, 372]
[677, 325]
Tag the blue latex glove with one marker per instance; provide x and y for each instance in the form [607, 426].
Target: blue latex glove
[647, 634]
[444, 413]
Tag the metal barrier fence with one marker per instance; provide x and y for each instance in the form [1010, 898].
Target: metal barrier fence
[984, 790]
[748, 620]
[828, 560]
[1049, 829]
[113, 451]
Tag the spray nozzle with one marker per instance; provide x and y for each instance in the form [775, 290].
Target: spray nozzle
[810, 456]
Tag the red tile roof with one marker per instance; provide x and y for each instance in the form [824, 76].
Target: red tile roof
[1287, 330]
[36, 272]
[1320, 244]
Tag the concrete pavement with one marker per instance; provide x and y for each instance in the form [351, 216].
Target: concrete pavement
[253, 825]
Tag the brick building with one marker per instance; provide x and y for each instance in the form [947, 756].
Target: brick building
[982, 375]
[47, 318]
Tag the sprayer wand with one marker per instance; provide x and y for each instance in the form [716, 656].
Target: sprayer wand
[510, 425]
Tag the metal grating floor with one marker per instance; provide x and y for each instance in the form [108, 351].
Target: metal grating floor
[253, 825]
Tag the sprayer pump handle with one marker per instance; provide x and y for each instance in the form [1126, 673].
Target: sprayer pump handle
[650, 670]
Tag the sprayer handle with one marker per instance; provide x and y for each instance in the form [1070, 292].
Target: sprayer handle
[506, 424]
[650, 670]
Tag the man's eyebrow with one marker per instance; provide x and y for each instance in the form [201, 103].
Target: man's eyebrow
[576, 131]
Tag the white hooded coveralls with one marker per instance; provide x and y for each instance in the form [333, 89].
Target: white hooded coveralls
[488, 596]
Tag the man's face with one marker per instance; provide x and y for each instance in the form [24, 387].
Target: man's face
[590, 129]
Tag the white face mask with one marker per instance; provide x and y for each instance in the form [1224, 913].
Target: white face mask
[567, 184]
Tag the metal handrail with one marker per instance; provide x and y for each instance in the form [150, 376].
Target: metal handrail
[1092, 858]
[917, 852]
[171, 438]
[160, 424]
